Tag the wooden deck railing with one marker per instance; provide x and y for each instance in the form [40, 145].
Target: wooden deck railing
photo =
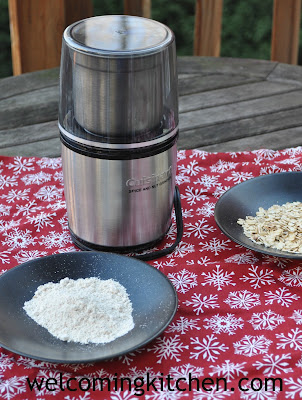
[285, 29]
[37, 27]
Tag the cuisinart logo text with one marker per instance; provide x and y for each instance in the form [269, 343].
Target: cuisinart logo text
[135, 184]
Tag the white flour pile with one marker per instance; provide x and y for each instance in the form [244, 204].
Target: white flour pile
[87, 310]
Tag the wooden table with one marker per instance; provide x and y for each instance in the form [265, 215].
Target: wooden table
[225, 104]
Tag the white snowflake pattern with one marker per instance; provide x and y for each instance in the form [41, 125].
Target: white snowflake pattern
[168, 348]
[268, 320]
[26, 209]
[204, 261]
[242, 258]
[252, 345]
[292, 151]
[123, 395]
[4, 256]
[6, 225]
[85, 396]
[163, 264]
[191, 168]
[58, 176]
[134, 373]
[218, 278]
[21, 164]
[6, 362]
[101, 374]
[274, 364]
[223, 166]
[18, 239]
[63, 222]
[282, 296]
[192, 195]
[215, 246]
[297, 317]
[16, 195]
[237, 176]
[200, 229]
[37, 179]
[280, 262]
[292, 277]
[4, 210]
[207, 210]
[224, 323]
[129, 357]
[11, 387]
[293, 160]
[228, 370]
[51, 163]
[27, 255]
[52, 376]
[49, 193]
[294, 388]
[211, 394]
[56, 239]
[57, 205]
[259, 393]
[183, 280]
[271, 169]
[265, 153]
[180, 179]
[165, 392]
[28, 363]
[185, 372]
[207, 180]
[68, 249]
[257, 278]
[243, 299]
[181, 155]
[293, 339]
[182, 250]
[187, 213]
[183, 325]
[299, 363]
[7, 181]
[199, 303]
[220, 190]
[171, 234]
[41, 220]
[199, 154]
[210, 348]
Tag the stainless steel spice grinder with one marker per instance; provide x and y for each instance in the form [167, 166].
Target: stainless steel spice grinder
[118, 121]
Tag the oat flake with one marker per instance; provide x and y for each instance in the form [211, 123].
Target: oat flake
[87, 310]
[278, 227]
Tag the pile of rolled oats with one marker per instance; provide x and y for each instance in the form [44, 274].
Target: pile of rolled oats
[278, 227]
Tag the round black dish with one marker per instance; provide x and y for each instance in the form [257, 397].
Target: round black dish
[245, 199]
[153, 297]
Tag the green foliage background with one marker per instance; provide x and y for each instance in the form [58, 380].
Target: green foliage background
[246, 28]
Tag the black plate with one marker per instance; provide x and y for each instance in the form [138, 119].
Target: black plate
[153, 298]
[245, 199]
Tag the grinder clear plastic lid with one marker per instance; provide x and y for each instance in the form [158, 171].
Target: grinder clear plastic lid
[118, 35]
[118, 82]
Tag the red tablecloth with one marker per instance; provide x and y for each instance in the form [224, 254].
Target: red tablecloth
[239, 319]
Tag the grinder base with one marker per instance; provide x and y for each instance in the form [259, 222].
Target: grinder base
[84, 245]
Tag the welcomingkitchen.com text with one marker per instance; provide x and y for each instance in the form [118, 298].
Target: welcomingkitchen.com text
[140, 385]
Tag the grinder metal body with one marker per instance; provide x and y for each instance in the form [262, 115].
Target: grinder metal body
[118, 120]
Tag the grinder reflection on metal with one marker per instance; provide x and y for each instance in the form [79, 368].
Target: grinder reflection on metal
[118, 120]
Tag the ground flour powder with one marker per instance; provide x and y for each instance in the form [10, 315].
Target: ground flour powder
[87, 310]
